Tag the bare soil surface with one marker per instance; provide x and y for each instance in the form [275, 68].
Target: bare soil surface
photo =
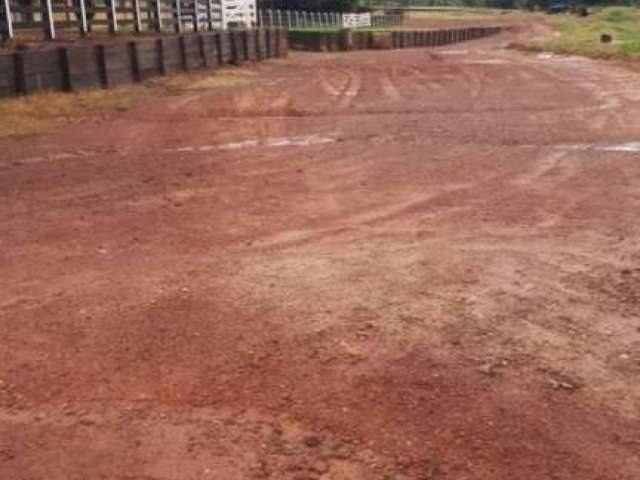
[379, 265]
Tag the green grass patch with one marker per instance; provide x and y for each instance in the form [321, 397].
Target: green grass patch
[581, 36]
[617, 15]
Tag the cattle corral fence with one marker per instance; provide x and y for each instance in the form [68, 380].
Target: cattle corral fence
[300, 19]
[123, 15]
[137, 16]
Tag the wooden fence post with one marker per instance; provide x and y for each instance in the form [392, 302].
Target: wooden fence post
[196, 23]
[162, 67]
[210, 14]
[102, 65]
[63, 55]
[134, 59]
[48, 21]
[21, 78]
[157, 7]
[137, 21]
[183, 53]
[177, 16]
[7, 20]
[112, 16]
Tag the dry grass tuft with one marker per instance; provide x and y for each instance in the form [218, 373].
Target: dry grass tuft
[37, 112]
[44, 110]
[189, 82]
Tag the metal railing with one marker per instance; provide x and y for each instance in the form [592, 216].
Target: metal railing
[297, 19]
[136, 16]
[115, 16]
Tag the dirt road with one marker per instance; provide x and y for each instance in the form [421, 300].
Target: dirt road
[400, 265]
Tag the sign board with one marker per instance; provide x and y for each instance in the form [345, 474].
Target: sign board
[356, 20]
[236, 13]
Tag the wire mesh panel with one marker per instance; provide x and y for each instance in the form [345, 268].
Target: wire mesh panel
[300, 19]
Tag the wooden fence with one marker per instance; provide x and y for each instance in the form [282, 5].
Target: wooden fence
[74, 67]
[345, 40]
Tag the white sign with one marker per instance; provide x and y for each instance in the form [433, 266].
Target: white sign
[356, 20]
[237, 13]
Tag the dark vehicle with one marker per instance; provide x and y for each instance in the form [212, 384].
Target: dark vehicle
[557, 8]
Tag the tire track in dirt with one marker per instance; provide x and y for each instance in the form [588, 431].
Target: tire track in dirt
[425, 79]
[409, 79]
[612, 89]
[329, 88]
[387, 84]
[351, 91]
[541, 167]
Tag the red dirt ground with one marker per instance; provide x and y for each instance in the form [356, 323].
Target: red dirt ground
[398, 265]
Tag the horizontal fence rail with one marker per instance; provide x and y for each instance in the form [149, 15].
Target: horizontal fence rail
[116, 16]
[137, 16]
